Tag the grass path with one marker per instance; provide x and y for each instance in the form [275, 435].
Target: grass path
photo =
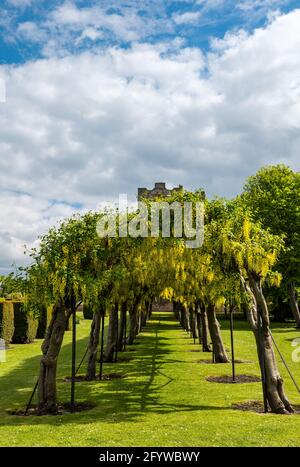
[164, 400]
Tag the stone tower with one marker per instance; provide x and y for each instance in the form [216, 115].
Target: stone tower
[159, 189]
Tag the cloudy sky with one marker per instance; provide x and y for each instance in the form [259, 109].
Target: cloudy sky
[100, 97]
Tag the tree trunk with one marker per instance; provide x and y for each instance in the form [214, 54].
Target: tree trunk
[186, 319]
[111, 334]
[140, 326]
[47, 402]
[214, 329]
[145, 314]
[198, 322]
[132, 327]
[93, 346]
[260, 324]
[205, 332]
[122, 326]
[193, 322]
[195, 328]
[280, 312]
[180, 314]
[276, 398]
[176, 311]
[133, 322]
[150, 310]
[294, 303]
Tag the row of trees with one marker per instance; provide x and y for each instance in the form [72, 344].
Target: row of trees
[249, 257]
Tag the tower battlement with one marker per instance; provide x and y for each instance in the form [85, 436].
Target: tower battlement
[159, 189]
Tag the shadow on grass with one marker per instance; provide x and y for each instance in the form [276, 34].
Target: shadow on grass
[116, 400]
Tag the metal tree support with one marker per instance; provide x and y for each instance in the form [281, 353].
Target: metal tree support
[199, 324]
[117, 333]
[195, 327]
[101, 346]
[125, 331]
[262, 360]
[82, 360]
[73, 357]
[31, 398]
[232, 346]
[284, 362]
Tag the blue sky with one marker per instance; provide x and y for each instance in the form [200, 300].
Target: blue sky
[99, 98]
[195, 21]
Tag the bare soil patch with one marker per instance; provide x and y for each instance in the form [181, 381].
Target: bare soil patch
[62, 408]
[105, 377]
[238, 379]
[258, 407]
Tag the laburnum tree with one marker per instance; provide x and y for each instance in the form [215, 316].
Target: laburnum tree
[273, 196]
[70, 262]
[246, 249]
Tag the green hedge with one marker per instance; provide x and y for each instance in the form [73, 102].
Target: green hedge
[44, 321]
[87, 312]
[25, 325]
[7, 327]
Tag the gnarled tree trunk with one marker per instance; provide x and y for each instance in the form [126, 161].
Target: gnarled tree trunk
[186, 319]
[193, 321]
[205, 331]
[294, 303]
[258, 316]
[111, 334]
[93, 346]
[215, 334]
[176, 310]
[47, 402]
[198, 321]
[133, 321]
[121, 336]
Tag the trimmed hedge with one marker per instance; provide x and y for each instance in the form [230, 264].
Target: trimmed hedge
[7, 327]
[87, 312]
[44, 321]
[25, 325]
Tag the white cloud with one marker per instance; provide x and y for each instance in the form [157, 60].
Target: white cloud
[69, 26]
[211, 4]
[243, 5]
[2, 89]
[81, 128]
[90, 33]
[248, 5]
[189, 17]
[23, 217]
[126, 24]
[30, 32]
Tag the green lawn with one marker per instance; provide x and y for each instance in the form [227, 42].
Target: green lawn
[163, 401]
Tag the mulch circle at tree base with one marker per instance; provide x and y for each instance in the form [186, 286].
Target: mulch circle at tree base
[111, 376]
[105, 377]
[124, 359]
[62, 408]
[238, 379]
[209, 361]
[242, 361]
[258, 407]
